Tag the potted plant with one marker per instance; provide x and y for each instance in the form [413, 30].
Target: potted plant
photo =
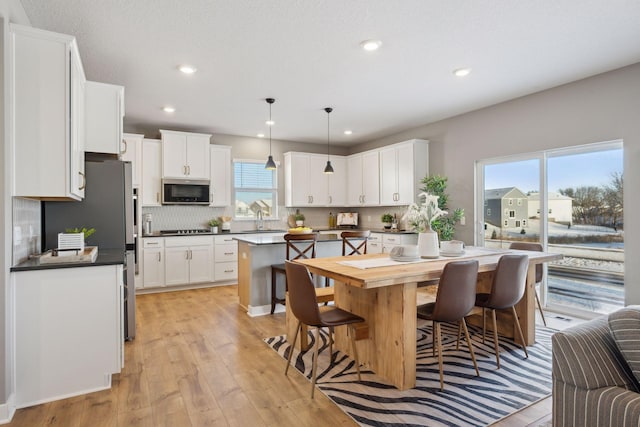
[386, 219]
[299, 219]
[214, 224]
[444, 225]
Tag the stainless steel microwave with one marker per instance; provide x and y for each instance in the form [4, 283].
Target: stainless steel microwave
[185, 192]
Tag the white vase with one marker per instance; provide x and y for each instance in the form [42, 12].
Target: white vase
[428, 244]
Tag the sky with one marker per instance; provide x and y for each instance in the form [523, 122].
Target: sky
[577, 170]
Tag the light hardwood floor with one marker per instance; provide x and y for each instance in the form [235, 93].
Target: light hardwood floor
[199, 360]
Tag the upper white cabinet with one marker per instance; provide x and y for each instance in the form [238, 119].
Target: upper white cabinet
[185, 155]
[104, 112]
[132, 152]
[220, 186]
[47, 86]
[402, 166]
[306, 184]
[151, 172]
[363, 187]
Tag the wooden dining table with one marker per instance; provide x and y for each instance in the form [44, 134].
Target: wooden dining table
[386, 297]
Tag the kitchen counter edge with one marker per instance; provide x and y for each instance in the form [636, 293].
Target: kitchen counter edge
[105, 257]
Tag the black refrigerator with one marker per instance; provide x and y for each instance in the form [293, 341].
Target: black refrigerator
[108, 207]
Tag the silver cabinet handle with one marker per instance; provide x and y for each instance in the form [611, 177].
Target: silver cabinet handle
[158, 197]
[229, 271]
[330, 199]
[124, 141]
[152, 243]
[159, 259]
[84, 181]
[188, 170]
[228, 253]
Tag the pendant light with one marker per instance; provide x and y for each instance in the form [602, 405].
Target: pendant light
[270, 165]
[328, 169]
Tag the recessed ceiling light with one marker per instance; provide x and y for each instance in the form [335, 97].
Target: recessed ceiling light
[260, 135]
[348, 132]
[371, 45]
[168, 109]
[187, 69]
[461, 72]
[270, 123]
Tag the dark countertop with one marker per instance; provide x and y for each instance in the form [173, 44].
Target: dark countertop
[225, 233]
[105, 257]
[271, 240]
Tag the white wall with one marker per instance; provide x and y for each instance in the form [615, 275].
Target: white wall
[601, 108]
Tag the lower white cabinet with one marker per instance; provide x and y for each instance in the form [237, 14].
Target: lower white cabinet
[390, 240]
[68, 331]
[374, 244]
[188, 260]
[226, 258]
[153, 262]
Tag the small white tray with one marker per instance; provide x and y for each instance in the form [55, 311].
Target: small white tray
[89, 254]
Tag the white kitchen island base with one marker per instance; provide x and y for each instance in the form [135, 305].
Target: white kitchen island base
[68, 331]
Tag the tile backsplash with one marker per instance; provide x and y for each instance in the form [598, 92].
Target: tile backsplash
[26, 229]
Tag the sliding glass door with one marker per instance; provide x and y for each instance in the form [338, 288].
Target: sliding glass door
[570, 201]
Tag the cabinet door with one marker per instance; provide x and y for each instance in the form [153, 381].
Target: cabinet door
[297, 179]
[176, 266]
[198, 156]
[132, 152]
[388, 176]
[174, 155]
[201, 264]
[78, 178]
[354, 180]
[338, 182]
[406, 178]
[220, 175]
[374, 244]
[151, 172]
[317, 181]
[104, 112]
[370, 179]
[153, 267]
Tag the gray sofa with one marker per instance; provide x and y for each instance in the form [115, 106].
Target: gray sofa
[596, 372]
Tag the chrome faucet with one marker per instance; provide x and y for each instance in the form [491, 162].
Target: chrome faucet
[259, 220]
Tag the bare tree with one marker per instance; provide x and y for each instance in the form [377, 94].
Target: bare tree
[587, 203]
[613, 200]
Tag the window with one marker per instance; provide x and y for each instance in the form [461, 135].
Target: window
[517, 223]
[510, 202]
[256, 189]
[489, 212]
[524, 222]
[506, 223]
[512, 214]
[519, 202]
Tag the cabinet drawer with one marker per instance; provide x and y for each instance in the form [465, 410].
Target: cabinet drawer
[394, 239]
[153, 242]
[223, 240]
[375, 237]
[226, 271]
[173, 242]
[225, 253]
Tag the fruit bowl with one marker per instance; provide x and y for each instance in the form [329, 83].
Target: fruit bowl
[300, 230]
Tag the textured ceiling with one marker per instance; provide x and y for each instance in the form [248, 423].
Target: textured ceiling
[306, 54]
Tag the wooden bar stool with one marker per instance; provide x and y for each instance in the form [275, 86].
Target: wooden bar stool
[354, 242]
[299, 246]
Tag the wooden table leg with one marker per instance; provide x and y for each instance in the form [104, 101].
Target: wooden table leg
[526, 309]
[390, 313]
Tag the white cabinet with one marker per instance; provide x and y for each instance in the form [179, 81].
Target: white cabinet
[220, 185]
[151, 188]
[68, 331]
[104, 112]
[374, 244]
[391, 240]
[188, 260]
[402, 166]
[185, 155]
[153, 262]
[306, 184]
[47, 88]
[363, 185]
[132, 152]
[226, 258]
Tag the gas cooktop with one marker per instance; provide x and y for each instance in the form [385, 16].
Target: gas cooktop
[185, 231]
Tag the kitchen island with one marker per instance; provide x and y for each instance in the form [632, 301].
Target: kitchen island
[256, 254]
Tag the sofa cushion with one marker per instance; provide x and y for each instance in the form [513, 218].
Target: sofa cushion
[625, 328]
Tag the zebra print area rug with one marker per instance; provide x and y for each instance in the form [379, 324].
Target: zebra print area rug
[467, 400]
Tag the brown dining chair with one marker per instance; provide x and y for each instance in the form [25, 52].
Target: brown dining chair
[454, 300]
[299, 246]
[530, 246]
[304, 305]
[354, 242]
[507, 289]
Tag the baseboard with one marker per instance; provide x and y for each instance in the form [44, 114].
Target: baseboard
[7, 410]
[261, 310]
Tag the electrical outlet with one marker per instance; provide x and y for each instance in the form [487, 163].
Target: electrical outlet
[462, 220]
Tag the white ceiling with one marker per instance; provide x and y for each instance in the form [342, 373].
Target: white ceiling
[306, 55]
